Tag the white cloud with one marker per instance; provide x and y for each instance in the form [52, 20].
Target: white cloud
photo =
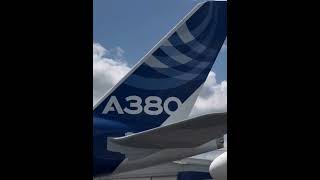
[212, 98]
[109, 67]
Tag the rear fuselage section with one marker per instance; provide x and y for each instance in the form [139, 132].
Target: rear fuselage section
[105, 161]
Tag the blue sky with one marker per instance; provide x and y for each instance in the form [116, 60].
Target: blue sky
[137, 25]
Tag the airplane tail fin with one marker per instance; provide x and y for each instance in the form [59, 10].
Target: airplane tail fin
[163, 87]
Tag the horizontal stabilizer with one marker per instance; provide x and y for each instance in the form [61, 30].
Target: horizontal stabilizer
[186, 134]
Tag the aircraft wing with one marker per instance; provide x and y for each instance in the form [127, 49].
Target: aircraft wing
[168, 170]
[186, 134]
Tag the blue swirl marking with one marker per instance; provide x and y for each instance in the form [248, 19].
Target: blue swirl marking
[175, 54]
[164, 58]
[161, 73]
[161, 57]
[153, 84]
[153, 62]
[201, 20]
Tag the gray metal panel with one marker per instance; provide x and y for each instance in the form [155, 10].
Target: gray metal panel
[164, 170]
[185, 134]
[165, 178]
[146, 178]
